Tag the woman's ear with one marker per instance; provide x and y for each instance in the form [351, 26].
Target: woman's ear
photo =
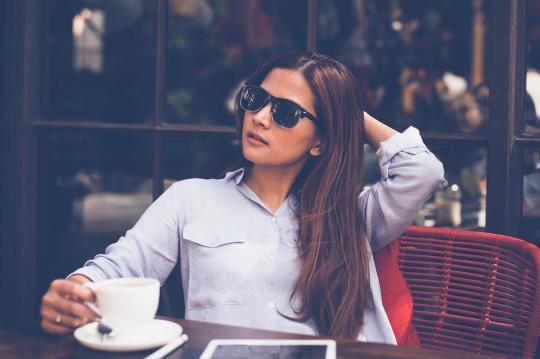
[317, 149]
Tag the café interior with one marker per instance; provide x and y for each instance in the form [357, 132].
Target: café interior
[105, 104]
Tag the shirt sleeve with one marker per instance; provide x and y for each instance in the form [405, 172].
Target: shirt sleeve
[410, 174]
[149, 249]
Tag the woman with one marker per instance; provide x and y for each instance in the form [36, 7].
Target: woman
[285, 242]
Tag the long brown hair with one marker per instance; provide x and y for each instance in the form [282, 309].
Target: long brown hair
[334, 277]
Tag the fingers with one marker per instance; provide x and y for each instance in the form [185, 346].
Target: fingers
[56, 323]
[72, 289]
[62, 307]
[53, 328]
[66, 306]
[57, 319]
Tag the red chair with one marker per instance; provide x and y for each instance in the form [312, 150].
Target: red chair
[473, 291]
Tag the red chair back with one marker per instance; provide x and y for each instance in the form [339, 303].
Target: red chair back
[473, 291]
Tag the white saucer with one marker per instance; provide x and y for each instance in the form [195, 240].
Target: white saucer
[157, 333]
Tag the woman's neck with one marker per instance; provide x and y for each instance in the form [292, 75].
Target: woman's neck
[271, 184]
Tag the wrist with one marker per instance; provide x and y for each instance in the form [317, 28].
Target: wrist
[376, 131]
[79, 278]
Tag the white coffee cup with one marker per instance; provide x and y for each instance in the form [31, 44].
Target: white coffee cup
[126, 304]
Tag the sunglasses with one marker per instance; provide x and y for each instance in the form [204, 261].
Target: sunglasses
[285, 113]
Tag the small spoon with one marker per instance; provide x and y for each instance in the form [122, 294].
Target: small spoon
[104, 330]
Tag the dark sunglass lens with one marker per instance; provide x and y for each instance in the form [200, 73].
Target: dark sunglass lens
[285, 113]
[253, 98]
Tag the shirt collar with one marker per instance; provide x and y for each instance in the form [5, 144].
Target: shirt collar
[237, 176]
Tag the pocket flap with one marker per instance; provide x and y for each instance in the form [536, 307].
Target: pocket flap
[212, 237]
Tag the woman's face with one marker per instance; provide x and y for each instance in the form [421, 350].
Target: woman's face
[281, 147]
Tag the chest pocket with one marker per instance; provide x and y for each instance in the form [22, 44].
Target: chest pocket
[205, 236]
[219, 263]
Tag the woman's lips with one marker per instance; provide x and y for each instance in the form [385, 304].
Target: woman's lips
[255, 139]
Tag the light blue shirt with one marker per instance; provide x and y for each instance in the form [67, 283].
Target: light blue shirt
[239, 260]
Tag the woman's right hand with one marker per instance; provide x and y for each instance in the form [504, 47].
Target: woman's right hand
[63, 308]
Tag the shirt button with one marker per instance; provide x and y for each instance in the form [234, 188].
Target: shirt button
[274, 219]
[271, 305]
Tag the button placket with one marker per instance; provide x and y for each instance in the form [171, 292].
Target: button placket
[271, 258]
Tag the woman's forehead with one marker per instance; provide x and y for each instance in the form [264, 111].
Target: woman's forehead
[291, 85]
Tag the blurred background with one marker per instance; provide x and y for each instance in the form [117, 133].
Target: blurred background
[106, 103]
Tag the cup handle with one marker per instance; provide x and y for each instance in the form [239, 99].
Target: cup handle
[94, 308]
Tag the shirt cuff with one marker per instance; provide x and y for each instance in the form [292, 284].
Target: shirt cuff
[90, 272]
[398, 142]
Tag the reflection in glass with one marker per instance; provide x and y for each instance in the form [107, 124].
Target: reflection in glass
[418, 62]
[288, 351]
[531, 195]
[203, 157]
[532, 98]
[99, 60]
[91, 189]
[462, 202]
[88, 33]
[214, 45]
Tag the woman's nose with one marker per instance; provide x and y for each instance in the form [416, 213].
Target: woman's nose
[263, 117]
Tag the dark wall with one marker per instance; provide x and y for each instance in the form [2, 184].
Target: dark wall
[19, 25]
[3, 267]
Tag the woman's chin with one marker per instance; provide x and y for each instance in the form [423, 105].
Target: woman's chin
[258, 160]
[254, 155]
[262, 158]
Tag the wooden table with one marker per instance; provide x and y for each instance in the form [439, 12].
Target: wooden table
[33, 343]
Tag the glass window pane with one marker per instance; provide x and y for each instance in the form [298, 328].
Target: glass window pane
[92, 187]
[99, 60]
[532, 98]
[204, 156]
[418, 62]
[462, 203]
[530, 225]
[213, 45]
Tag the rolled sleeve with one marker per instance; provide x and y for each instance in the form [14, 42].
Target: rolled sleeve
[94, 273]
[410, 174]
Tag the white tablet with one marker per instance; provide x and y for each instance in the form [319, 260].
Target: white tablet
[270, 348]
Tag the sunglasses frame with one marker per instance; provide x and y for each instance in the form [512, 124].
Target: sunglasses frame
[300, 113]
